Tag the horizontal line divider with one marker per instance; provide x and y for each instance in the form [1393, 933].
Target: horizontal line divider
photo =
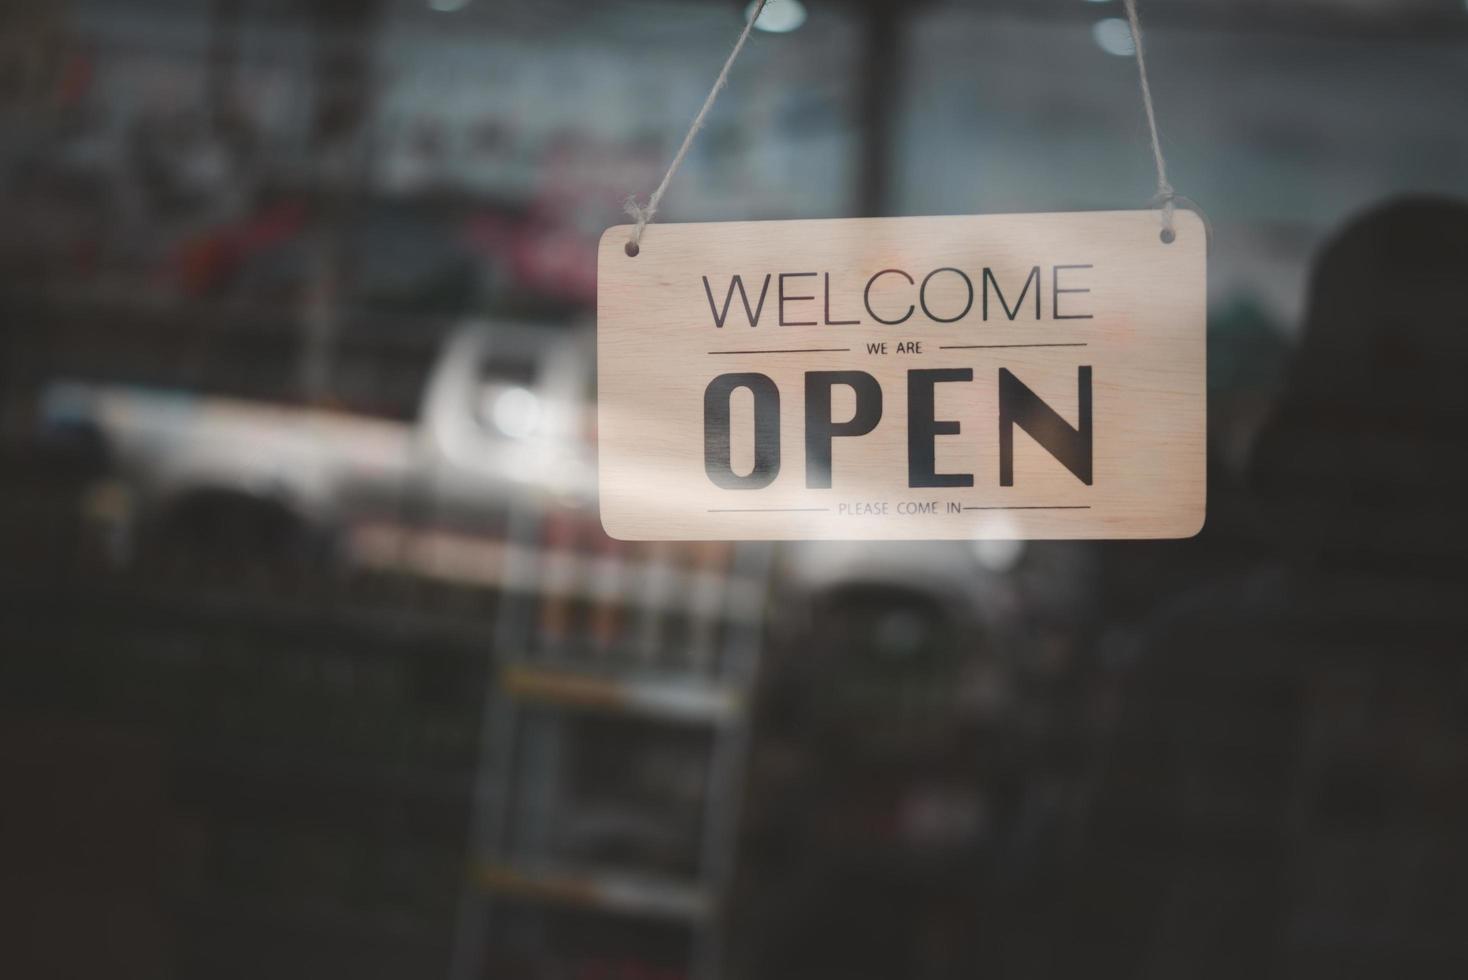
[1033, 507]
[766, 510]
[796, 350]
[998, 346]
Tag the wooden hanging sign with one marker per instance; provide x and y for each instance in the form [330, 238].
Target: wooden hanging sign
[996, 376]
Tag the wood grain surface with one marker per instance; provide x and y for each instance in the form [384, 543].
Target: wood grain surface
[1109, 296]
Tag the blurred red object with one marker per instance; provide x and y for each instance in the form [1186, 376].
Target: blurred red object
[207, 263]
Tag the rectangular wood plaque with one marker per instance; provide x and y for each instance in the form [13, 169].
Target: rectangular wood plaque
[996, 376]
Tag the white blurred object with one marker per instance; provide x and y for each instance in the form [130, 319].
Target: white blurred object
[999, 554]
[501, 418]
[516, 413]
[779, 16]
[1114, 36]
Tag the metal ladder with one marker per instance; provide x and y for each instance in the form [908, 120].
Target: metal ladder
[507, 853]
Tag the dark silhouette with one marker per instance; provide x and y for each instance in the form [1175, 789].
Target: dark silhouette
[1285, 787]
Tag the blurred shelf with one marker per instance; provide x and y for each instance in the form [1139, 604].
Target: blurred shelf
[474, 560]
[664, 699]
[141, 305]
[621, 893]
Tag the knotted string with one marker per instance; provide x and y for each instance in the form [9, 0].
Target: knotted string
[642, 214]
[1166, 197]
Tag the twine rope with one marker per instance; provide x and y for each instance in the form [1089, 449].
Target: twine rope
[1166, 196]
[643, 214]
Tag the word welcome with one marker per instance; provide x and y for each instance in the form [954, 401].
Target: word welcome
[886, 291]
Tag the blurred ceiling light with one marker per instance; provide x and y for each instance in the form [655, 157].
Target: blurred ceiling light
[448, 6]
[779, 16]
[1114, 36]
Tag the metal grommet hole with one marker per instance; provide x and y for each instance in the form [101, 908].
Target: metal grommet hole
[1168, 236]
[631, 249]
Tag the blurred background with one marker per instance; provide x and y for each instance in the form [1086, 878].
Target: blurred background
[314, 660]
